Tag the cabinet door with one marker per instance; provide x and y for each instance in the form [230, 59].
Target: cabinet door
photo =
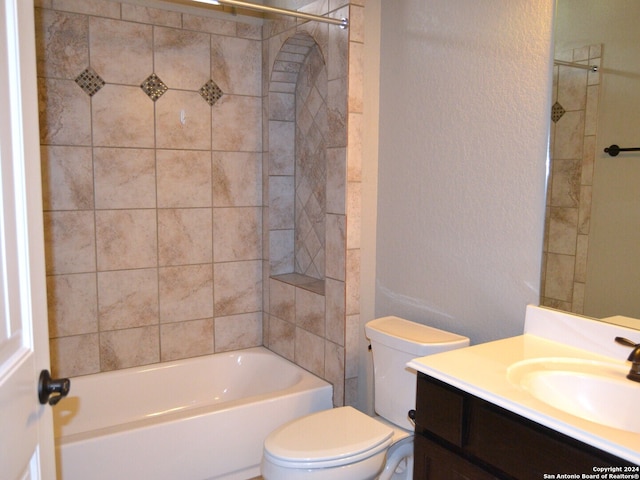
[433, 462]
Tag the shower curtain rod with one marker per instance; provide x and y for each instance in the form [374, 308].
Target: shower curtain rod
[593, 68]
[343, 22]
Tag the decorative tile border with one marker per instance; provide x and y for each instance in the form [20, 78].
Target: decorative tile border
[211, 92]
[90, 81]
[557, 112]
[154, 87]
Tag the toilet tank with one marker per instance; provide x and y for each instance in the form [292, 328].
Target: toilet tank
[394, 342]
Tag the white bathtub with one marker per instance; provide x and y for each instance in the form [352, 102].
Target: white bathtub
[195, 419]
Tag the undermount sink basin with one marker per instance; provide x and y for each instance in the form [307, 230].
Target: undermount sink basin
[594, 391]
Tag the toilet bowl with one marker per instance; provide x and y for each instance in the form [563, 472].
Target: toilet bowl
[341, 443]
[346, 444]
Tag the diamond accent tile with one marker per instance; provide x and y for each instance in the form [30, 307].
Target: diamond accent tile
[90, 81]
[211, 92]
[154, 87]
[557, 112]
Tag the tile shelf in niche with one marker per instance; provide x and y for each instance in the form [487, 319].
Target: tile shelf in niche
[312, 284]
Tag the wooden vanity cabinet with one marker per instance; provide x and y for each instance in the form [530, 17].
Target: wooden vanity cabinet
[459, 436]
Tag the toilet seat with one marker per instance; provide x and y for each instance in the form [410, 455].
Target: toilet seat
[330, 438]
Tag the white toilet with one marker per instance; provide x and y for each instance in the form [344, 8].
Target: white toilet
[345, 444]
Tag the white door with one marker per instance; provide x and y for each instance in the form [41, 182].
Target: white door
[26, 427]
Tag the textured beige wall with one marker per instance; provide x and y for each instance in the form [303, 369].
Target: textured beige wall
[464, 99]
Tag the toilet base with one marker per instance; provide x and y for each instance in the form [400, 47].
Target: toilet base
[399, 462]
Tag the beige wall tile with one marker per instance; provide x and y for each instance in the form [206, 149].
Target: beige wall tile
[569, 136]
[336, 246]
[282, 300]
[75, 355]
[281, 202]
[335, 311]
[65, 113]
[129, 348]
[126, 239]
[186, 293]
[563, 228]
[310, 311]
[186, 339]
[356, 76]
[233, 76]
[560, 270]
[183, 121]
[281, 148]
[354, 220]
[154, 16]
[237, 179]
[184, 178]
[282, 107]
[351, 391]
[181, 58]
[237, 234]
[230, 112]
[588, 159]
[72, 304]
[353, 282]
[565, 186]
[577, 300]
[336, 181]
[338, 49]
[238, 287]
[246, 30]
[184, 236]
[101, 8]
[209, 25]
[124, 178]
[62, 43]
[354, 152]
[353, 337]
[238, 331]
[584, 211]
[309, 351]
[282, 337]
[281, 251]
[67, 178]
[121, 52]
[591, 112]
[69, 242]
[572, 85]
[582, 248]
[334, 370]
[127, 298]
[122, 117]
[337, 112]
[356, 22]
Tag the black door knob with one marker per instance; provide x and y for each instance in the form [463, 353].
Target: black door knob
[48, 385]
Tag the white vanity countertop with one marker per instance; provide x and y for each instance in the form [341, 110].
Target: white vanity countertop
[481, 370]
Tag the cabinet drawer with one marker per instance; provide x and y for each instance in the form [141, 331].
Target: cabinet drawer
[441, 410]
[525, 449]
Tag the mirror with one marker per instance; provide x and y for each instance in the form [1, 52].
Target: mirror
[592, 238]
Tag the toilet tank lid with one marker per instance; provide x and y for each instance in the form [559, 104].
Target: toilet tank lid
[412, 337]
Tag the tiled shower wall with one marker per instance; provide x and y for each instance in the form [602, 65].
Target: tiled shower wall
[312, 316]
[157, 188]
[151, 181]
[573, 143]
